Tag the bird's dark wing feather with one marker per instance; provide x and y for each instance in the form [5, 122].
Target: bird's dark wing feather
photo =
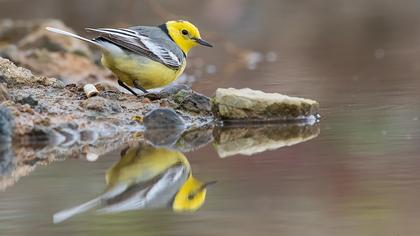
[139, 43]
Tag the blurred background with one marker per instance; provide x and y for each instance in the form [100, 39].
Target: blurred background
[359, 59]
[322, 43]
[345, 54]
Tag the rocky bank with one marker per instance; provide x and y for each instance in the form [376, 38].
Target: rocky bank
[45, 114]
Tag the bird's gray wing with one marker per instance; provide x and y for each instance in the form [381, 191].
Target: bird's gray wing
[142, 44]
[158, 193]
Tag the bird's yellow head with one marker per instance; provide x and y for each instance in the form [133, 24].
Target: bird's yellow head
[185, 35]
[191, 195]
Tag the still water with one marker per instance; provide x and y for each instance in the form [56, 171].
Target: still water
[354, 173]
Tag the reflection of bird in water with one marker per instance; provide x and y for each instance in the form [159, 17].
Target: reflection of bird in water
[146, 177]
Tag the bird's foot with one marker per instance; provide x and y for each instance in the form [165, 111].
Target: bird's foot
[150, 96]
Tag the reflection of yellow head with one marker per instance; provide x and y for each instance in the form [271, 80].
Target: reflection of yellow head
[190, 196]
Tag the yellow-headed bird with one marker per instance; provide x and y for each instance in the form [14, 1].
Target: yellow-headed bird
[146, 177]
[145, 57]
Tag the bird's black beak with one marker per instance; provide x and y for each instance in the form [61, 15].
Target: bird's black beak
[206, 184]
[202, 187]
[203, 42]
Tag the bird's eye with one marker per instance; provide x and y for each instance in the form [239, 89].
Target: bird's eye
[184, 32]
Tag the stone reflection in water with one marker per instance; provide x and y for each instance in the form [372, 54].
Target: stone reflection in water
[146, 177]
[248, 140]
[185, 141]
[163, 137]
[7, 166]
[7, 163]
[194, 139]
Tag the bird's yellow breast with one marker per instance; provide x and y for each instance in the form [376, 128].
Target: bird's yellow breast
[138, 165]
[148, 73]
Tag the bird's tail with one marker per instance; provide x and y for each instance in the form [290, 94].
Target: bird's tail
[65, 214]
[68, 213]
[62, 32]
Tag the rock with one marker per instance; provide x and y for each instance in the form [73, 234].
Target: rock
[163, 118]
[174, 89]
[183, 98]
[30, 45]
[4, 94]
[102, 105]
[248, 140]
[44, 121]
[32, 34]
[25, 108]
[70, 67]
[248, 104]
[6, 124]
[191, 101]
[28, 100]
[167, 92]
[14, 75]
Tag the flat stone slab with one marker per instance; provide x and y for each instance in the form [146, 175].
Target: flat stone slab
[250, 105]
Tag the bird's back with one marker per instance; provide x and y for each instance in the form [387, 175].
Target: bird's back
[159, 37]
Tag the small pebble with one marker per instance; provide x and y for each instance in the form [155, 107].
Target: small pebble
[92, 156]
[90, 90]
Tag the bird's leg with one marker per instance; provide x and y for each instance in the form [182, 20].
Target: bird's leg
[138, 86]
[146, 94]
[126, 87]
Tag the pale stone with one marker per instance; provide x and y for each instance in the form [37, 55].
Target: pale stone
[248, 104]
